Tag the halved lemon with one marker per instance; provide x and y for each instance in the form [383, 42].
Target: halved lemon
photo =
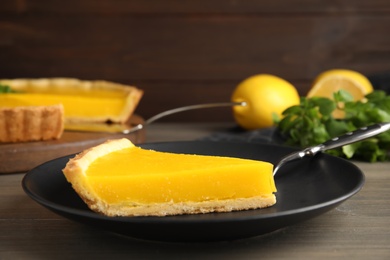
[331, 81]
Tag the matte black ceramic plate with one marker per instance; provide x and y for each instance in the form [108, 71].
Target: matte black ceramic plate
[306, 189]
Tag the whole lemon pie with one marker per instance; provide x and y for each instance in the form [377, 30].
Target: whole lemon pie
[83, 101]
[117, 178]
[85, 104]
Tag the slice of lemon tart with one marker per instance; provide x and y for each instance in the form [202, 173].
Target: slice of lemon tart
[117, 178]
[83, 101]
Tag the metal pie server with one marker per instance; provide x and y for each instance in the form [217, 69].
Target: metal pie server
[348, 138]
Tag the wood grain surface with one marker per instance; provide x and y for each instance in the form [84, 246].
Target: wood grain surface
[357, 229]
[190, 52]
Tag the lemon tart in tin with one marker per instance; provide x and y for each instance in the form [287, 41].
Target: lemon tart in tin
[83, 105]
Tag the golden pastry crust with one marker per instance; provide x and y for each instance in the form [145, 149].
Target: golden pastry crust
[35, 123]
[78, 165]
[180, 208]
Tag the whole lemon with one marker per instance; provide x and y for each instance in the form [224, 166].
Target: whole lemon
[264, 96]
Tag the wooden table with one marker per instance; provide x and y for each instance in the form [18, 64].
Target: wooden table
[357, 229]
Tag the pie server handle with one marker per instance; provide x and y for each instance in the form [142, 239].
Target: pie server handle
[348, 138]
[355, 136]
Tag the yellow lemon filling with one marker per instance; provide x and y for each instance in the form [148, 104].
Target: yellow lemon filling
[75, 106]
[144, 176]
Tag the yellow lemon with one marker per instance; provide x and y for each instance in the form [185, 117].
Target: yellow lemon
[264, 96]
[328, 82]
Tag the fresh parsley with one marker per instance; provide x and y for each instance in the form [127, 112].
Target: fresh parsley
[312, 122]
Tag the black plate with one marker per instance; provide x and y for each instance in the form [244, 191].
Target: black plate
[306, 188]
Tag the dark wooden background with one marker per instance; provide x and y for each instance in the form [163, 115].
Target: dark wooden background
[187, 52]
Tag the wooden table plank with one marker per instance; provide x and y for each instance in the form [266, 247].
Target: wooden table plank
[357, 229]
[21, 157]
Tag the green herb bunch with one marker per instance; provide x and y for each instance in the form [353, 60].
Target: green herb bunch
[312, 122]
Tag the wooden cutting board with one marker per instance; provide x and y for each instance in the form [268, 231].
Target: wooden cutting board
[22, 157]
